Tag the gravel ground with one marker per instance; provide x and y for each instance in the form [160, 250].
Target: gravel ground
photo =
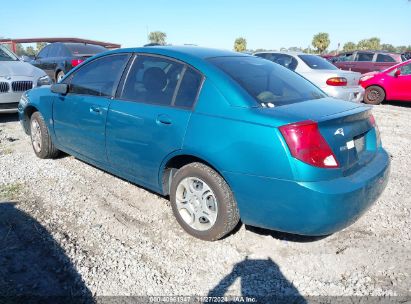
[105, 236]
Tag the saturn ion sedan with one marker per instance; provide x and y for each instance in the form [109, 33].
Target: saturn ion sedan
[226, 136]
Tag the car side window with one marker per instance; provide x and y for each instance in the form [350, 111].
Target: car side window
[152, 79]
[44, 52]
[287, 61]
[53, 50]
[189, 87]
[406, 69]
[99, 77]
[364, 56]
[262, 55]
[384, 58]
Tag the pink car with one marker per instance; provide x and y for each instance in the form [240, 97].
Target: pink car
[393, 83]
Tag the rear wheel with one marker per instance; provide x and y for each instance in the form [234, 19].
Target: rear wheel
[374, 95]
[203, 203]
[40, 138]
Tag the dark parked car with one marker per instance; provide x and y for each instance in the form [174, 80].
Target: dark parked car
[56, 59]
[367, 61]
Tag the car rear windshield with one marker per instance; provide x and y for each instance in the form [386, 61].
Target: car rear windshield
[270, 84]
[317, 63]
[85, 49]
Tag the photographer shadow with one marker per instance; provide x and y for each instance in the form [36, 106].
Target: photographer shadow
[33, 267]
[261, 281]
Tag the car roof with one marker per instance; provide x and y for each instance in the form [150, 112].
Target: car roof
[291, 53]
[184, 50]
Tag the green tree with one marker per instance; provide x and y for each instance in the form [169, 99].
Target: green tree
[40, 46]
[349, 47]
[388, 47]
[240, 44]
[401, 48]
[321, 41]
[375, 43]
[369, 44]
[157, 37]
[363, 44]
[20, 50]
[30, 51]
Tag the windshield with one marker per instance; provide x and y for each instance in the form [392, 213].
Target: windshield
[6, 55]
[85, 49]
[270, 84]
[317, 63]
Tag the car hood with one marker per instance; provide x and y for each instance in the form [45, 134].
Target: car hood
[18, 68]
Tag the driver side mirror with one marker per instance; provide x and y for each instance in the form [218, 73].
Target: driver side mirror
[60, 88]
[397, 73]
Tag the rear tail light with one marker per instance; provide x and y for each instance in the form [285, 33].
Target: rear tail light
[308, 145]
[337, 81]
[76, 62]
[377, 131]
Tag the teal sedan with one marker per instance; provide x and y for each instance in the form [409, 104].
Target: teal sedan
[227, 136]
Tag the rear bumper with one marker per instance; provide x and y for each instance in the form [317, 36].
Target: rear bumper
[309, 208]
[354, 94]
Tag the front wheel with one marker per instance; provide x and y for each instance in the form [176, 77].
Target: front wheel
[203, 203]
[40, 138]
[374, 95]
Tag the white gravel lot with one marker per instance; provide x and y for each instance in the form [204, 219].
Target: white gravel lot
[123, 240]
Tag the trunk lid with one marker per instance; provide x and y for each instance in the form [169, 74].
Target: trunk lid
[344, 125]
[320, 77]
[346, 133]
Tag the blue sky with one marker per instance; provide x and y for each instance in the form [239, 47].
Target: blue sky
[269, 24]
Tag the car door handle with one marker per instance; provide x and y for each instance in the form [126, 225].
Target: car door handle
[95, 110]
[163, 119]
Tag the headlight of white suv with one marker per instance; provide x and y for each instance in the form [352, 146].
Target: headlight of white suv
[44, 80]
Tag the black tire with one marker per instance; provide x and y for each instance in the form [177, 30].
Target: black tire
[228, 215]
[59, 75]
[46, 148]
[374, 95]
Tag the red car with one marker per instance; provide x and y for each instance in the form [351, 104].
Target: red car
[393, 83]
[367, 61]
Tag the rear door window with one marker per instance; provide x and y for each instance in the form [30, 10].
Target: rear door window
[189, 88]
[285, 60]
[152, 79]
[99, 77]
[384, 58]
[364, 56]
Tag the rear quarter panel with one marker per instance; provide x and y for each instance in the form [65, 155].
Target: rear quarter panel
[234, 139]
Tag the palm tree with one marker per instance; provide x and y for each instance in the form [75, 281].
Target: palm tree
[157, 37]
[321, 41]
